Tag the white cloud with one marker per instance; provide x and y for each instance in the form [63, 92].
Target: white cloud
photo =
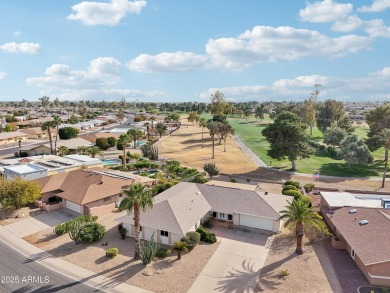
[374, 28]
[167, 62]
[348, 24]
[374, 85]
[376, 6]
[325, 11]
[97, 80]
[22, 48]
[95, 13]
[17, 33]
[2, 74]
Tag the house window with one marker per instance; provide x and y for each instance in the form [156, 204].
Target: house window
[214, 214]
[107, 199]
[222, 215]
[353, 253]
[140, 228]
[164, 233]
[230, 217]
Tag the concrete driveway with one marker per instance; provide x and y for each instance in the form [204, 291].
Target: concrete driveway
[236, 264]
[40, 222]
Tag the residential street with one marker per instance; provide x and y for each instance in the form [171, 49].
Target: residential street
[19, 275]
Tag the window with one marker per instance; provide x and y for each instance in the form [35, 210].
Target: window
[230, 217]
[353, 253]
[140, 228]
[164, 233]
[222, 215]
[107, 199]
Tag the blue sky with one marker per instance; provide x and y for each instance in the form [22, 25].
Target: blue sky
[186, 50]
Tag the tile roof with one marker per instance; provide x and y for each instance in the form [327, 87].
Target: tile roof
[370, 242]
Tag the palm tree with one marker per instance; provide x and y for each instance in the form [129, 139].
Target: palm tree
[299, 216]
[57, 121]
[124, 140]
[147, 124]
[137, 197]
[180, 247]
[212, 126]
[135, 134]
[203, 124]
[260, 111]
[63, 150]
[82, 150]
[161, 128]
[47, 126]
[152, 119]
[94, 150]
[385, 138]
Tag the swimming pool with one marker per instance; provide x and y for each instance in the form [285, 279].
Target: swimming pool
[111, 162]
[140, 142]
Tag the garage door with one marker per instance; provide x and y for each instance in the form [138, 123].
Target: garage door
[256, 222]
[73, 206]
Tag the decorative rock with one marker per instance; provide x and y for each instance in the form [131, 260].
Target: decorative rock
[147, 273]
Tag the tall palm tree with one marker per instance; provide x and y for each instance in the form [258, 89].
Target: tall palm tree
[94, 150]
[161, 128]
[385, 137]
[152, 119]
[63, 150]
[135, 134]
[124, 140]
[203, 124]
[137, 197]
[57, 121]
[82, 150]
[47, 126]
[299, 216]
[147, 124]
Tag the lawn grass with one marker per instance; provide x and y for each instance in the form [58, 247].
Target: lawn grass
[249, 132]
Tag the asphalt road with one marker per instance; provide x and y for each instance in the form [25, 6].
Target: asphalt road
[18, 275]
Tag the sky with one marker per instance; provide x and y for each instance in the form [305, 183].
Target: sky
[172, 51]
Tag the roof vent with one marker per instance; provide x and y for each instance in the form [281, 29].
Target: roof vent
[363, 222]
[353, 211]
[197, 192]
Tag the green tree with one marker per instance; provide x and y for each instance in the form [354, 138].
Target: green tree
[102, 143]
[355, 151]
[68, 132]
[17, 192]
[218, 103]
[309, 114]
[378, 119]
[260, 111]
[346, 123]
[93, 151]
[81, 150]
[161, 128]
[45, 102]
[193, 117]
[299, 217]
[329, 112]
[48, 126]
[385, 138]
[10, 128]
[124, 140]
[135, 134]
[120, 115]
[57, 121]
[211, 169]
[203, 125]
[287, 138]
[63, 150]
[334, 135]
[137, 197]
[224, 130]
[111, 141]
[212, 126]
[180, 247]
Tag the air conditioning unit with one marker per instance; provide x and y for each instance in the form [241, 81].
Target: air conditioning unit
[353, 211]
[363, 222]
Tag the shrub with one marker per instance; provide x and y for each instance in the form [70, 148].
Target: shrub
[322, 147]
[102, 143]
[293, 183]
[289, 187]
[308, 187]
[112, 252]
[207, 224]
[191, 239]
[59, 229]
[232, 179]
[120, 226]
[92, 232]
[148, 250]
[111, 141]
[163, 252]
[82, 229]
[123, 233]
[180, 247]
[306, 199]
[206, 236]
[199, 179]
[136, 156]
[295, 193]
[68, 132]
[284, 273]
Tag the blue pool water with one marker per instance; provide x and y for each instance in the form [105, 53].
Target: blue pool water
[140, 143]
[111, 162]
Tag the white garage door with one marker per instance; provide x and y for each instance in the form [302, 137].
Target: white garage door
[73, 206]
[256, 222]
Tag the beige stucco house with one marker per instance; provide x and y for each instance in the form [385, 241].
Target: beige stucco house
[12, 137]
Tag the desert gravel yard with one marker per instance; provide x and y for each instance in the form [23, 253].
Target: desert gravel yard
[165, 276]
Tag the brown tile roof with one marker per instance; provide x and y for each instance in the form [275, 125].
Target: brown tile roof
[94, 136]
[370, 242]
[83, 187]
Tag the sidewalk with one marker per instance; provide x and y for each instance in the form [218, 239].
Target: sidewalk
[65, 268]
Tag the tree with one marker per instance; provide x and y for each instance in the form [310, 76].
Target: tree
[355, 151]
[47, 126]
[147, 125]
[173, 117]
[135, 134]
[260, 111]
[94, 150]
[193, 117]
[212, 126]
[247, 112]
[211, 169]
[137, 197]
[385, 138]
[287, 138]
[17, 192]
[102, 143]
[152, 119]
[299, 217]
[123, 141]
[63, 150]
[82, 150]
[224, 130]
[218, 103]
[120, 115]
[309, 114]
[45, 102]
[57, 121]
[68, 132]
[10, 128]
[180, 247]
[161, 128]
[334, 135]
[329, 112]
[111, 141]
[202, 124]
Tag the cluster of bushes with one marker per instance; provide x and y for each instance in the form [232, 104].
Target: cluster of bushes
[105, 143]
[142, 163]
[162, 186]
[163, 252]
[309, 187]
[291, 188]
[112, 252]
[206, 236]
[122, 231]
[199, 178]
[82, 229]
[191, 239]
[149, 151]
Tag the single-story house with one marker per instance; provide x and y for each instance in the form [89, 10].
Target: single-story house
[12, 137]
[336, 200]
[93, 136]
[365, 234]
[93, 191]
[185, 206]
[44, 149]
[37, 132]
